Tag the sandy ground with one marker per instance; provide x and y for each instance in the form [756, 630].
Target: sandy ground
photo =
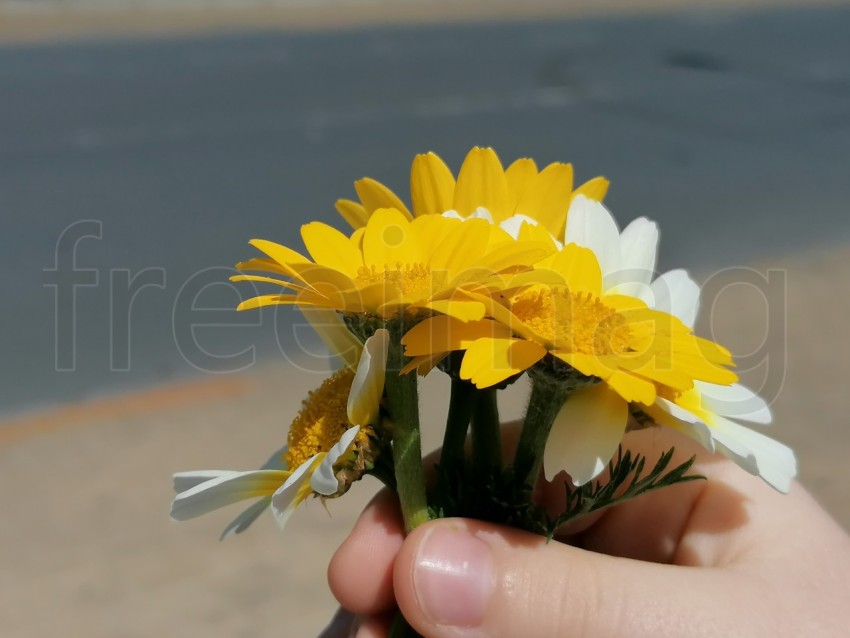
[88, 549]
[34, 22]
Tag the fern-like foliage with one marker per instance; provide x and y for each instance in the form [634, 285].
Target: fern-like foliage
[499, 499]
[625, 481]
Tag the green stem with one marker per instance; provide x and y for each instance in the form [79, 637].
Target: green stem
[486, 435]
[403, 404]
[384, 471]
[461, 404]
[400, 628]
[546, 401]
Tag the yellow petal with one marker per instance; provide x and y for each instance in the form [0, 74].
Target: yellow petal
[512, 255]
[321, 277]
[375, 195]
[519, 176]
[426, 364]
[658, 369]
[333, 332]
[423, 365]
[588, 364]
[481, 183]
[502, 315]
[280, 254]
[260, 263]
[462, 310]
[594, 189]
[267, 280]
[365, 299]
[329, 247]
[548, 198]
[532, 232]
[432, 185]
[632, 388]
[624, 302]
[444, 334]
[390, 241]
[579, 268]
[352, 212]
[432, 229]
[488, 362]
[271, 300]
[461, 248]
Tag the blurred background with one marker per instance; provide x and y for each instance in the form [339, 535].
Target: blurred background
[143, 143]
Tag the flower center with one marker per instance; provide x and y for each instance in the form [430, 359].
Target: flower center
[323, 419]
[573, 322]
[406, 279]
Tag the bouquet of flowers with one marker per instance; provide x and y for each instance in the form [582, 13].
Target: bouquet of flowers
[489, 277]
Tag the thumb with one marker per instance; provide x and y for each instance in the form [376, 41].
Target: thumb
[461, 578]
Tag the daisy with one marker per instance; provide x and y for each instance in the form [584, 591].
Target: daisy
[328, 440]
[570, 319]
[392, 265]
[483, 190]
[628, 259]
[584, 435]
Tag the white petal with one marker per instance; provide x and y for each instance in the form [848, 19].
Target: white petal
[481, 213]
[586, 434]
[478, 213]
[225, 490]
[676, 293]
[676, 417]
[244, 520]
[734, 401]
[323, 480]
[638, 249]
[286, 498]
[187, 480]
[591, 225]
[513, 224]
[755, 452]
[334, 334]
[367, 388]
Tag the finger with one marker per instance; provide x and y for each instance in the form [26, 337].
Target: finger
[458, 578]
[360, 572]
[706, 523]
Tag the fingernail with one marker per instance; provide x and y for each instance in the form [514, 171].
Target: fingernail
[454, 577]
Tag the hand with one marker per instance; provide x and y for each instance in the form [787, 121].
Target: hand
[722, 557]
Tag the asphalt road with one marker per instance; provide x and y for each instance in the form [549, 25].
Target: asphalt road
[146, 166]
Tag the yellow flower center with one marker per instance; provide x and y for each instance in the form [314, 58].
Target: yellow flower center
[406, 279]
[323, 419]
[573, 322]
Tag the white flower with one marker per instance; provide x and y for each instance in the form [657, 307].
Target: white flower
[277, 485]
[592, 422]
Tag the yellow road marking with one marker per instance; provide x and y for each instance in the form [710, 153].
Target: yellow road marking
[34, 25]
[177, 394]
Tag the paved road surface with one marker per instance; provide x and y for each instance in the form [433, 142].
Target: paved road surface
[733, 130]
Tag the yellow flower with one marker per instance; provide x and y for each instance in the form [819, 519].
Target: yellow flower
[391, 265]
[483, 190]
[565, 313]
[330, 434]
